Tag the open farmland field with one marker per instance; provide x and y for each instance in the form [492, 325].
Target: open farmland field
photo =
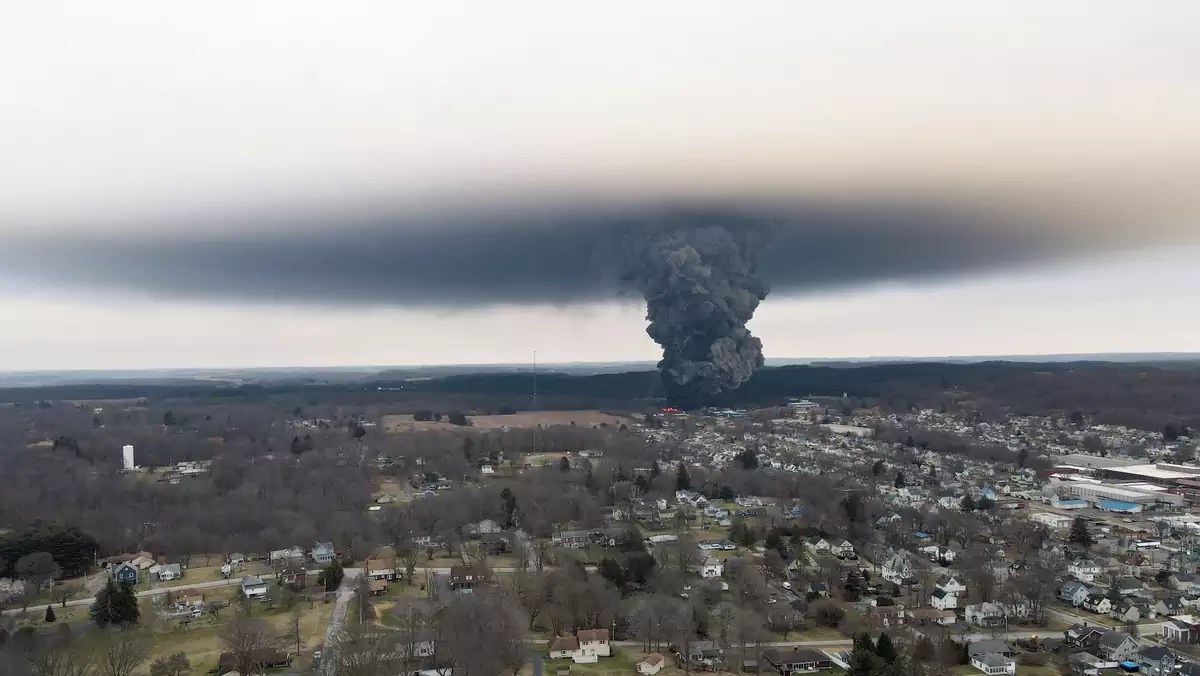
[525, 419]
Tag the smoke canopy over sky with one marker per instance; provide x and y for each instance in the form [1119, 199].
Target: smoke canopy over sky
[162, 161]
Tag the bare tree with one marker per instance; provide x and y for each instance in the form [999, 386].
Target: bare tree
[363, 651]
[247, 639]
[118, 653]
[408, 555]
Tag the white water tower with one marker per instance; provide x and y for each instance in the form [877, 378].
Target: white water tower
[127, 458]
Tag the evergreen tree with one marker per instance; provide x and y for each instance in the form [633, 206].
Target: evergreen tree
[115, 605]
[655, 470]
[50, 614]
[985, 503]
[611, 571]
[885, 650]
[878, 467]
[331, 576]
[1079, 533]
[968, 503]
[1022, 457]
[863, 659]
[564, 465]
[683, 482]
[900, 481]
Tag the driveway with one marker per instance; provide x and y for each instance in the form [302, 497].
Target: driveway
[337, 620]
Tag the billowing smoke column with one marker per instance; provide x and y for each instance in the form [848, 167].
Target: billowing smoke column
[701, 287]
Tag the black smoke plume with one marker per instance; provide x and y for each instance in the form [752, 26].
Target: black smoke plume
[701, 285]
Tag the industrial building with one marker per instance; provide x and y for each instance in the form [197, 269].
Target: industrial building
[1145, 495]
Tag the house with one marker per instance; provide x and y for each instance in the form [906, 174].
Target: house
[1117, 646]
[817, 544]
[842, 550]
[943, 600]
[572, 538]
[1073, 592]
[1084, 570]
[585, 647]
[464, 579]
[924, 616]
[237, 558]
[705, 653]
[377, 587]
[796, 661]
[293, 574]
[898, 569]
[950, 585]
[253, 586]
[1126, 611]
[323, 553]
[1128, 586]
[284, 554]
[987, 615]
[485, 527]
[487, 468]
[992, 664]
[1156, 661]
[494, 544]
[1182, 581]
[1083, 635]
[1097, 604]
[690, 498]
[1180, 630]
[711, 568]
[381, 569]
[993, 646]
[171, 571]
[652, 664]
[125, 572]
[886, 616]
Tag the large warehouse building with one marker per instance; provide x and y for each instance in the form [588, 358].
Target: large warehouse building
[1142, 494]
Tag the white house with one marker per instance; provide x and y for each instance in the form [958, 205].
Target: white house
[950, 585]
[585, 647]
[711, 568]
[842, 549]
[994, 664]
[652, 664]
[253, 586]
[817, 544]
[1084, 570]
[984, 615]
[943, 600]
[169, 572]
[487, 469]
[898, 568]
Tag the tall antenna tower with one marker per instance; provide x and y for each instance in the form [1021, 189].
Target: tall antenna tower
[537, 428]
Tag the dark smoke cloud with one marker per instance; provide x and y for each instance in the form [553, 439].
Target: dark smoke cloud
[510, 256]
[701, 286]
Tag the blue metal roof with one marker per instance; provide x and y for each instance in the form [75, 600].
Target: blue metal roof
[1116, 504]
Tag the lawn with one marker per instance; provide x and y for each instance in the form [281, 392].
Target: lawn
[1044, 670]
[201, 639]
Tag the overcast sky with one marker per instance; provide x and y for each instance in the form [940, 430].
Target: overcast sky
[305, 183]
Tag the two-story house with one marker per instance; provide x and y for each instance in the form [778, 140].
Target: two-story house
[253, 586]
[1073, 592]
[1117, 646]
[584, 647]
[1100, 605]
[946, 592]
[988, 615]
[465, 579]
[1084, 570]
[712, 567]
[842, 550]
[323, 553]
[898, 568]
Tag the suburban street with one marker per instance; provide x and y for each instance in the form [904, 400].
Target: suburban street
[337, 620]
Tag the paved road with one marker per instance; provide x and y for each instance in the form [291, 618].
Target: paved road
[337, 620]
[210, 584]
